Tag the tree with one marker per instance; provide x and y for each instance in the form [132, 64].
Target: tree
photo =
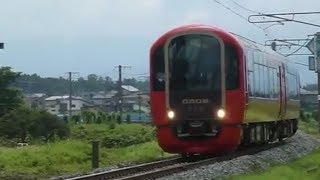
[10, 97]
[16, 123]
[86, 116]
[47, 125]
[22, 121]
[128, 118]
[119, 120]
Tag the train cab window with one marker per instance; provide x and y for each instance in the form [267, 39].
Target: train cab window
[231, 67]
[158, 77]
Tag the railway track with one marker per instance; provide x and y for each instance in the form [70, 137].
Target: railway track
[170, 166]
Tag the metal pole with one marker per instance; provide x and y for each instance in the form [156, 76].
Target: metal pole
[120, 90]
[139, 106]
[318, 114]
[95, 154]
[70, 93]
[317, 63]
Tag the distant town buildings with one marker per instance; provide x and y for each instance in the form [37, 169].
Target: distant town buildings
[132, 100]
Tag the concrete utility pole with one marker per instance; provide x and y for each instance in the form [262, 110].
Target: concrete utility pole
[70, 93]
[139, 95]
[119, 102]
[314, 64]
[317, 59]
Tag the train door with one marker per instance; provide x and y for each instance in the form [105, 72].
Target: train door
[282, 93]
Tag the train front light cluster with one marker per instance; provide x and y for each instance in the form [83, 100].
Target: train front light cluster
[171, 114]
[221, 113]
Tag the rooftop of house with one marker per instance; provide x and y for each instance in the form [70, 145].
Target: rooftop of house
[107, 95]
[304, 91]
[35, 95]
[54, 98]
[130, 88]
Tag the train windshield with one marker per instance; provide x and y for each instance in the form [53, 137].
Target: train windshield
[195, 63]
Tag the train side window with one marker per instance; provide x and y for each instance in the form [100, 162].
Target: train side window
[265, 80]
[250, 83]
[231, 68]
[256, 80]
[158, 75]
[250, 74]
[250, 61]
[277, 83]
[270, 80]
[261, 80]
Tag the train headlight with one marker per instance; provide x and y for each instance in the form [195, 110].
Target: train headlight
[221, 113]
[171, 114]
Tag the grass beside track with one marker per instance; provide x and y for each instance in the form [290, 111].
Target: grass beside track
[67, 157]
[306, 167]
[122, 145]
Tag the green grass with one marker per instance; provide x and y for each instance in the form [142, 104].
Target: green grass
[125, 144]
[311, 127]
[306, 167]
[67, 157]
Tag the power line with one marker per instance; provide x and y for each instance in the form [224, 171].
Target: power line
[234, 12]
[297, 49]
[241, 6]
[276, 17]
[241, 16]
[289, 43]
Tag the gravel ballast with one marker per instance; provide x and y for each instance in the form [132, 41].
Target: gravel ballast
[298, 145]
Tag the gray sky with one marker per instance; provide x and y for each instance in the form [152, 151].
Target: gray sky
[51, 37]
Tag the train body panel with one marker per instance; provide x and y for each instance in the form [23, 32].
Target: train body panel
[212, 91]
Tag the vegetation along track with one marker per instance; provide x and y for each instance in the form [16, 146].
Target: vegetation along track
[174, 165]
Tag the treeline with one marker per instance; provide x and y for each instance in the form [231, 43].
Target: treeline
[57, 86]
[19, 123]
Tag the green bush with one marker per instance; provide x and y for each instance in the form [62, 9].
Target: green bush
[124, 136]
[302, 115]
[112, 135]
[315, 115]
[24, 123]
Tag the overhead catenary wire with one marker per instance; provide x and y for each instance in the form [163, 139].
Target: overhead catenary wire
[243, 7]
[241, 16]
[302, 46]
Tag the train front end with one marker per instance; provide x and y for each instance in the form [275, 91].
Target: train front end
[189, 97]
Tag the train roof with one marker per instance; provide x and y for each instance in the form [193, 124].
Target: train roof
[242, 41]
[257, 46]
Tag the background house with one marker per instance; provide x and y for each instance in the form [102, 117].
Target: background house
[308, 99]
[59, 105]
[36, 100]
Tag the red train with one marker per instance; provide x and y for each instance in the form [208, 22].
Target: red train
[213, 91]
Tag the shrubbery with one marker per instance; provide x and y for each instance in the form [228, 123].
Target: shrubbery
[120, 136]
[23, 125]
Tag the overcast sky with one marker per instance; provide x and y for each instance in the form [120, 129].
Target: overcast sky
[51, 37]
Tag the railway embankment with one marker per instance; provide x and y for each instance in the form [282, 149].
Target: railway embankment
[297, 146]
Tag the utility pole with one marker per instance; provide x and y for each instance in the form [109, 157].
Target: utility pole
[70, 93]
[314, 64]
[120, 94]
[139, 95]
[317, 59]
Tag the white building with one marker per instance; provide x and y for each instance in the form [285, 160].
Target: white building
[59, 105]
[127, 89]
